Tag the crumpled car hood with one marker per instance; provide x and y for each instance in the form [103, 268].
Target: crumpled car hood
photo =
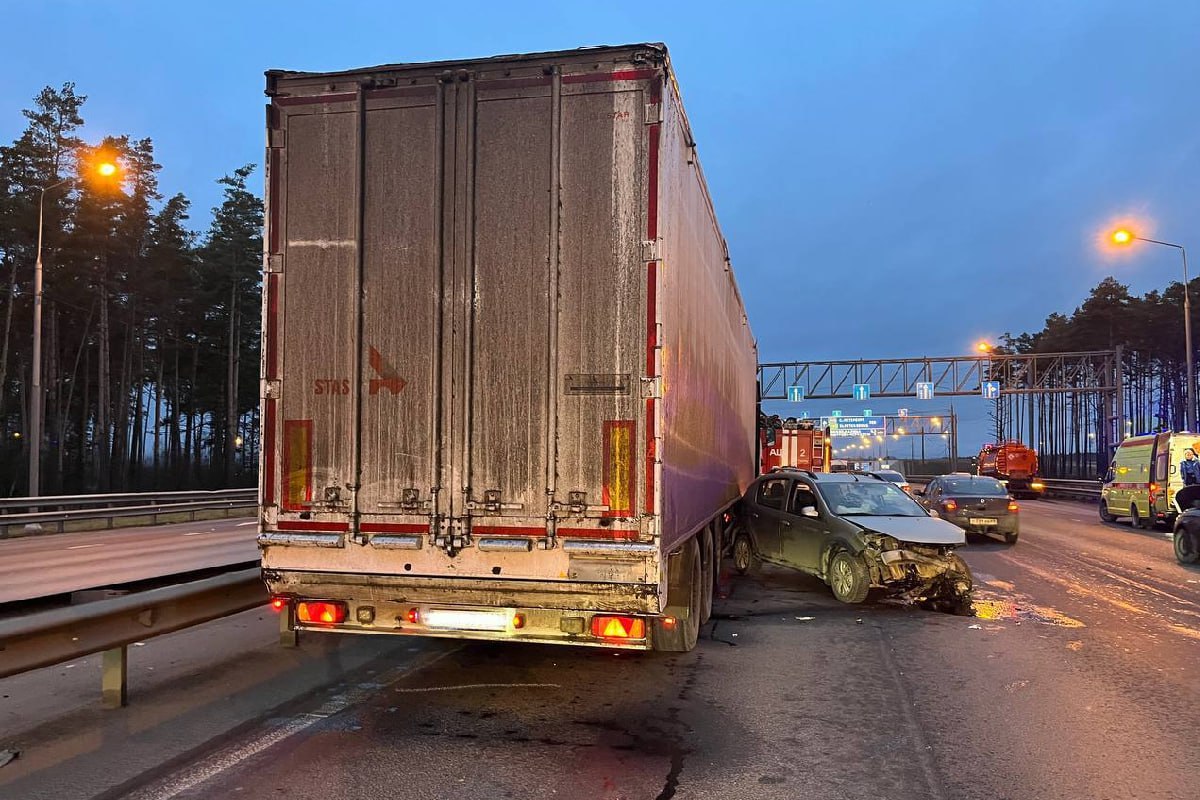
[918, 530]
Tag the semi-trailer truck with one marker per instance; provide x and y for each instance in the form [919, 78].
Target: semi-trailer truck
[508, 381]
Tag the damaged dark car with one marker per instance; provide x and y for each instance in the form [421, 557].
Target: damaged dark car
[855, 532]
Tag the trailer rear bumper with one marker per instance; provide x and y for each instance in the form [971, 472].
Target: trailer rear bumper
[550, 612]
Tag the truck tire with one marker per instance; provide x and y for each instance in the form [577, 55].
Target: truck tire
[848, 577]
[682, 636]
[706, 573]
[1105, 514]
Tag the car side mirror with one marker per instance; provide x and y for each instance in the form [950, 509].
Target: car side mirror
[809, 511]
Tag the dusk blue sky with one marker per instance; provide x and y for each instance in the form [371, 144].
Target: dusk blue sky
[894, 178]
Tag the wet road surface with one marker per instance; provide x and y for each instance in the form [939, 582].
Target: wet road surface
[1077, 680]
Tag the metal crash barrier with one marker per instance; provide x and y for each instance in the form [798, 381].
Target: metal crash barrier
[110, 626]
[21, 515]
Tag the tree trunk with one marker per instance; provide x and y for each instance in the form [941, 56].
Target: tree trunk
[103, 389]
[8, 315]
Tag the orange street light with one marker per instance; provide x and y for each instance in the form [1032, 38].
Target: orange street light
[1123, 237]
[984, 346]
[108, 169]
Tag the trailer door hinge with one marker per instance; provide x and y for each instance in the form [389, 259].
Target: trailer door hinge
[650, 250]
[278, 138]
[651, 388]
[653, 113]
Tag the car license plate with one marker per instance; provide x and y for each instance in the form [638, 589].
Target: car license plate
[984, 521]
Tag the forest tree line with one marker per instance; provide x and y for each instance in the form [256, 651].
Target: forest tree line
[1074, 431]
[150, 334]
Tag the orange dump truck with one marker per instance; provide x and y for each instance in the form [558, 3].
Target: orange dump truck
[1015, 465]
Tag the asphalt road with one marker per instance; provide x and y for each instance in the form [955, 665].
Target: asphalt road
[1077, 680]
[40, 566]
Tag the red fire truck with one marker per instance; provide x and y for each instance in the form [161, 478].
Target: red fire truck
[1014, 464]
[792, 442]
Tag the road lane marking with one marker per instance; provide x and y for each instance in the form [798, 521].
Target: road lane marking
[1074, 587]
[229, 757]
[197, 533]
[82, 546]
[245, 524]
[479, 686]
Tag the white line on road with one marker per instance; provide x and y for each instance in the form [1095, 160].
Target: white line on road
[231, 756]
[81, 546]
[481, 686]
[196, 533]
[245, 524]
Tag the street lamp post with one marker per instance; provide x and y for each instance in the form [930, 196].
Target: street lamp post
[35, 394]
[1125, 237]
[104, 168]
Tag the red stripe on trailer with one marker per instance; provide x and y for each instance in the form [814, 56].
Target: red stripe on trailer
[651, 455]
[273, 200]
[652, 183]
[596, 533]
[268, 453]
[619, 75]
[297, 436]
[651, 317]
[272, 344]
[341, 97]
[508, 530]
[656, 90]
[303, 525]
[394, 527]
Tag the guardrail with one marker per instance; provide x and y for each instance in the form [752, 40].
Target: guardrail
[59, 511]
[110, 626]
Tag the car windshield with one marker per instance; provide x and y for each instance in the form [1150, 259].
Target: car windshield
[984, 487]
[894, 477]
[868, 499]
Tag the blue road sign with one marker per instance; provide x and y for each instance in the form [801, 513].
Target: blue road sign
[854, 426]
[795, 394]
[924, 390]
[862, 391]
[991, 390]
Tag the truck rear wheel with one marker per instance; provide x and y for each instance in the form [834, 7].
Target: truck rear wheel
[678, 630]
[706, 573]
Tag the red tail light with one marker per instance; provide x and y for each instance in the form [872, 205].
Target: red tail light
[321, 611]
[1013, 507]
[619, 627]
[279, 603]
[950, 505]
[413, 616]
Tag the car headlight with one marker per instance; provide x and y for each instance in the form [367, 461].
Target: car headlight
[882, 542]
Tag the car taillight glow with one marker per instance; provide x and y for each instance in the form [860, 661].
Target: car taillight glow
[619, 627]
[950, 505]
[279, 603]
[413, 616]
[1013, 507]
[321, 611]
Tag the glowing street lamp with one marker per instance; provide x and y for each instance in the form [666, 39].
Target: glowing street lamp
[984, 346]
[107, 169]
[1124, 237]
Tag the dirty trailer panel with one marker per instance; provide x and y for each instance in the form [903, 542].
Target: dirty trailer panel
[506, 363]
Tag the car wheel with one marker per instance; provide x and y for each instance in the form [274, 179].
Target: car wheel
[1010, 537]
[743, 553]
[1187, 546]
[1105, 514]
[1135, 519]
[848, 578]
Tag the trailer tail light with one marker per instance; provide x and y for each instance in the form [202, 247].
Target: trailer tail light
[322, 612]
[619, 627]
[1013, 507]
[279, 603]
[950, 505]
[413, 616]
[518, 621]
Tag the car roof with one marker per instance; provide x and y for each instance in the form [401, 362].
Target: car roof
[822, 477]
